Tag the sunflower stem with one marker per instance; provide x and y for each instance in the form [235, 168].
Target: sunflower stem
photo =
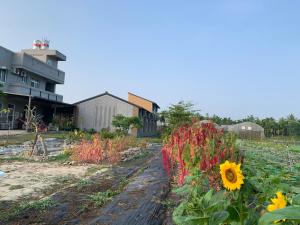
[241, 209]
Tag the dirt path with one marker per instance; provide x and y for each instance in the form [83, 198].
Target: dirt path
[131, 193]
[141, 201]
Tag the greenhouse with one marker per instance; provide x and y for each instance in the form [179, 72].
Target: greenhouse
[246, 130]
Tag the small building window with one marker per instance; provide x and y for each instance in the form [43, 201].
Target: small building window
[3, 75]
[243, 128]
[35, 83]
[24, 79]
[249, 128]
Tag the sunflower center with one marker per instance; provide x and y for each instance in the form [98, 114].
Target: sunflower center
[231, 175]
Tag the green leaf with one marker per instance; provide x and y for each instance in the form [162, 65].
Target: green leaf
[296, 190]
[185, 190]
[180, 218]
[233, 213]
[289, 213]
[195, 220]
[296, 200]
[218, 217]
[178, 214]
[207, 197]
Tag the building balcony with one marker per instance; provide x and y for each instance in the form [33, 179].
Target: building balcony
[29, 63]
[21, 89]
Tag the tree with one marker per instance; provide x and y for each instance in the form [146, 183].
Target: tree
[123, 123]
[33, 122]
[178, 114]
[270, 125]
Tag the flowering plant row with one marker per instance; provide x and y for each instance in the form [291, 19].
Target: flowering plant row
[199, 146]
[99, 150]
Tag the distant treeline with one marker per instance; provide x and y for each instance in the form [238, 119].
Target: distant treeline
[288, 126]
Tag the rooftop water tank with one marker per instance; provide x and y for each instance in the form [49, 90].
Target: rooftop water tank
[36, 44]
[45, 44]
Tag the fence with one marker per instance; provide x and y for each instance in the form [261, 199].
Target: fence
[9, 120]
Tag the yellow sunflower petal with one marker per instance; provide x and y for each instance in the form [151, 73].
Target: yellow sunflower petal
[271, 207]
[278, 203]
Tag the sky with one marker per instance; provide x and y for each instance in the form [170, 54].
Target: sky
[232, 58]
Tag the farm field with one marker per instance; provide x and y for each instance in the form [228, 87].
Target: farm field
[68, 187]
[63, 189]
[272, 165]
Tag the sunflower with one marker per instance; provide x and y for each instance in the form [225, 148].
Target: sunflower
[232, 176]
[277, 203]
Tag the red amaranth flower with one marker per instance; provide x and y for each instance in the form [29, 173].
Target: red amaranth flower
[204, 143]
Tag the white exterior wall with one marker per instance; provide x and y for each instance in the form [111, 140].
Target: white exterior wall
[98, 113]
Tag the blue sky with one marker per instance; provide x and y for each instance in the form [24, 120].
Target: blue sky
[231, 58]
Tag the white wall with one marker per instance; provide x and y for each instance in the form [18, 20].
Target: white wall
[98, 113]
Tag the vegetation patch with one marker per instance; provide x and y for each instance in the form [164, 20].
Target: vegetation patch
[38, 206]
[21, 138]
[220, 184]
[84, 183]
[67, 179]
[62, 157]
[14, 158]
[101, 198]
[16, 187]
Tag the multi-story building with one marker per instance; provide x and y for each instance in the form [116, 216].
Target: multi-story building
[30, 73]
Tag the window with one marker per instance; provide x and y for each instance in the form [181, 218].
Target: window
[243, 128]
[24, 79]
[3, 75]
[35, 83]
[49, 62]
[249, 128]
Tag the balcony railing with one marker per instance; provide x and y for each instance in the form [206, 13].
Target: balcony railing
[29, 63]
[22, 89]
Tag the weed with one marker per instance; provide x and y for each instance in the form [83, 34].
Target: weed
[21, 138]
[101, 198]
[15, 187]
[62, 157]
[82, 209]
[66, 179]
[38, 206]
[13, 158]
[83, 183]
[93, 169]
